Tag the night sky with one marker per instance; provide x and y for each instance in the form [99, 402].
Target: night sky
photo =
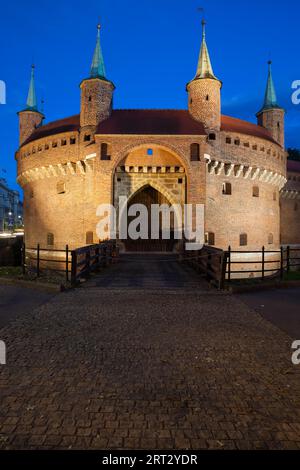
[150, 49]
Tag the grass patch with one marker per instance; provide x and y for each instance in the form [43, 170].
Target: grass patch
[10, 271]
[15, 272]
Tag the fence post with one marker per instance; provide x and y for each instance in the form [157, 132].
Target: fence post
[224, 258]
[229, 263]
[288, 259]
[23, 251]
[263, 263]
[281, 263]
[88, 263]
[67, 263]
[73, 268]
[38, 260]
[98, 256]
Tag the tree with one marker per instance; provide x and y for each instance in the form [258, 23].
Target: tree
[294, 154]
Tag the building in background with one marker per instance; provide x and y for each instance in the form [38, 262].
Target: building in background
[11, 208]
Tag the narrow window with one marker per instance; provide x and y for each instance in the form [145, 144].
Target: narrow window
[237, 142]
[210, 238]
[195, 152]
[270, 239]
[212, 137]
[46, 147]
[255, 191]
[60, 188]
[228, 140]
[63, 142]
[54, 144]
[50, 239]
[89, 238]
[179, 180]
[227, 189]
[72, 140]
[90, 98]
[104, 152]
[207, 97]
[254, 147]
[87, 138]
[274, 196]
[243, 239]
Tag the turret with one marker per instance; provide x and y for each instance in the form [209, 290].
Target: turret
[29, 118]
[96, 92]
[204, 96]
[271, 116]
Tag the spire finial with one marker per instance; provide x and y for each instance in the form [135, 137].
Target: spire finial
[203, 22]
[270, 100]
[31, 103]
[97, 68]
[204, 69]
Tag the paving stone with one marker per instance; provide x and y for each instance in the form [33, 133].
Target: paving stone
[176, 367]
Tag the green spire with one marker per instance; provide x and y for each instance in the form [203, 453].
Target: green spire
[98, 68]
[31, 103]
[204, 69]
[270, 101]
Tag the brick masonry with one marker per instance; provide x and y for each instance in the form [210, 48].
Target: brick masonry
[69, 159]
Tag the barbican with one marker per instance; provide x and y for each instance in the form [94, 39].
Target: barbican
[238, 170]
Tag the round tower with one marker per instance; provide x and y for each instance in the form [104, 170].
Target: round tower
[96, 92]
[271, 116]
[29, 118]
[204, 91]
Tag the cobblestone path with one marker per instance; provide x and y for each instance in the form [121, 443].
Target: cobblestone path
[147, 368]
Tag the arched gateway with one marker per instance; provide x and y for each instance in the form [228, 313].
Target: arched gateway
[151, 176]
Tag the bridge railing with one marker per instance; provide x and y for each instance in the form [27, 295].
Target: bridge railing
[210, 262]
[222, 267]
[79, 263]
[38, 259]
[90, 258]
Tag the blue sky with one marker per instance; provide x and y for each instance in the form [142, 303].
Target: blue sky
[150, 50]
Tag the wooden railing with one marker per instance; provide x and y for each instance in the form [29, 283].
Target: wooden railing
[80, 263]
[38, 259]
[210, 262]
[91, 258]
[271, 262]
[219, 267]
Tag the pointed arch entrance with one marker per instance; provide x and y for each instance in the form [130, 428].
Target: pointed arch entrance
[151, 174]
[148, 196]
